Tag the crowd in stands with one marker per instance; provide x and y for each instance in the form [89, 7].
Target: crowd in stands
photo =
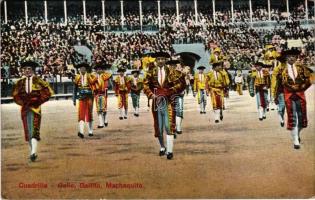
[52, 44]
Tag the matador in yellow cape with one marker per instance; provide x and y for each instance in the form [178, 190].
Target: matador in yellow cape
[103, 83]
[30, 92]
[200, 89]
[294, 79]
[259, 85]
[136, 88]
[161, 84]
[84, 88]
[216, 83]
[122, 85]
[271, 60]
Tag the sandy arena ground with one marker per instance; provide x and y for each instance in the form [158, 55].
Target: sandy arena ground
[241, 157]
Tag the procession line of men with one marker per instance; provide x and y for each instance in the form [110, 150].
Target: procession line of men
[31, 91]
[97, 85]
[286, 79]
[280, 78]
[164, 83]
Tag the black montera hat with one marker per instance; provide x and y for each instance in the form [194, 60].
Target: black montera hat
[121, 70]
[161, 54]
[173, 62]
[292, 51]
[135, 71]
[31, 64]
[201, 67]
[259, 63]
[217, 64]
[86, 65]
[102, 65]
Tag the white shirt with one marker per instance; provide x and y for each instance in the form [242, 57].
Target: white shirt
[122, 80]
[201, 77]
[215, 75]
[238, 79]
[260, 74]
[28, 84]
[292, 72]
[99, 78]
[161, 75]
[84, 79]
[135, 80]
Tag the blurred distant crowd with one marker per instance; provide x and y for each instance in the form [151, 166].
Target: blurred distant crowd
[52, 44]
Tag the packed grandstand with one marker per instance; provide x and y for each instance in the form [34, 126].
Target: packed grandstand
[47, 31]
